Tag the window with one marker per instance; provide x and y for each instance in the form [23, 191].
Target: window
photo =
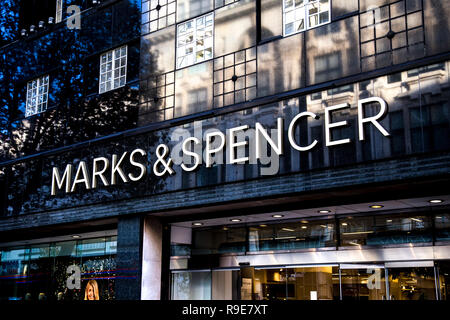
[37, 96]
[300, 15]
[195, 40]
[113, 69]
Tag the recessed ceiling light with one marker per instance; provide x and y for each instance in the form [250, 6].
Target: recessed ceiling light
[76, 236]
[376, 206]
[277, 216]
[435, 201]
[304, 227]
[235, 220]
[344, 224]
[288, 229]
[225, 228]
[389, 220]
[324, 211]
[304, 221]
[197, 224]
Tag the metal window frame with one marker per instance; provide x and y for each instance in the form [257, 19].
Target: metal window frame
[306, 17]
[37, 107]
[114, 67]
[194, 40]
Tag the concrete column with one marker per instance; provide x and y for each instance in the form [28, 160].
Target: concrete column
[128, 281]
[152, 259]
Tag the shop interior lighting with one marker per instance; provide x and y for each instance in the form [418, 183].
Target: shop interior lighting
[435, 201]
[376, 206]
[277, 216]
[197, 224]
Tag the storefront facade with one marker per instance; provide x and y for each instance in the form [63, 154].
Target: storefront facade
[254, 150]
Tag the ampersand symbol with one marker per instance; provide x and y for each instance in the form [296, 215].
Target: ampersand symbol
[161, 160]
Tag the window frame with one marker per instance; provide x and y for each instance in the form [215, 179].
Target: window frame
[306, 16]
[114, 67]
[39, 106]
[194, 41]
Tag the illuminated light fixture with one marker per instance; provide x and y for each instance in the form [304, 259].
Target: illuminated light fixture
[287, 229]
[277, 216]
[23, 32]
[304, 221]
[376, 206]
[389, 221]
[51, 20]
[304, 227]
[225, 228]
[358, 232]
[197, 224]
[76, 236]
[323, 226]
[324, 211]
[235, 220]
[263, 225]
[95, 2]
[32, 28]
[344, 224]
[41, 24]
[435, 201]
[415, 219]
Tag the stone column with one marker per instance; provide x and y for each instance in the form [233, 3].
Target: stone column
[152, 259]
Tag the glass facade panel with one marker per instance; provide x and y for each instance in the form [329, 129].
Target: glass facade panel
[339, 55]
[385, 230]
[193, 89]
[412, 284]
[219, 241]
[235, 21]
[187, 9]
[442, 225]
[363, 284]
[279, 65]
[444, 280]
[195, 285]
[301, 235]
[271, 19]
[314, 283]
[41, 272]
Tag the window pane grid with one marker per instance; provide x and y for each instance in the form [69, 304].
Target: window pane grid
[300, 15]
[113, 69]
[157, 14]
[195, 40]
[37, 96]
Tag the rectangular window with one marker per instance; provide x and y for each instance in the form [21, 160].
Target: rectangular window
[37, 96]
[300, 15]
[195, 40]
[113, 69]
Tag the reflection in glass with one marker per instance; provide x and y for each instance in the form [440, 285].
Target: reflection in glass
[442, 225]
[412, 284]
[291, 236]
[444, 279]
[314, 283]
[193, 285]
[384, 230]
[39, 272]
[363, 284]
